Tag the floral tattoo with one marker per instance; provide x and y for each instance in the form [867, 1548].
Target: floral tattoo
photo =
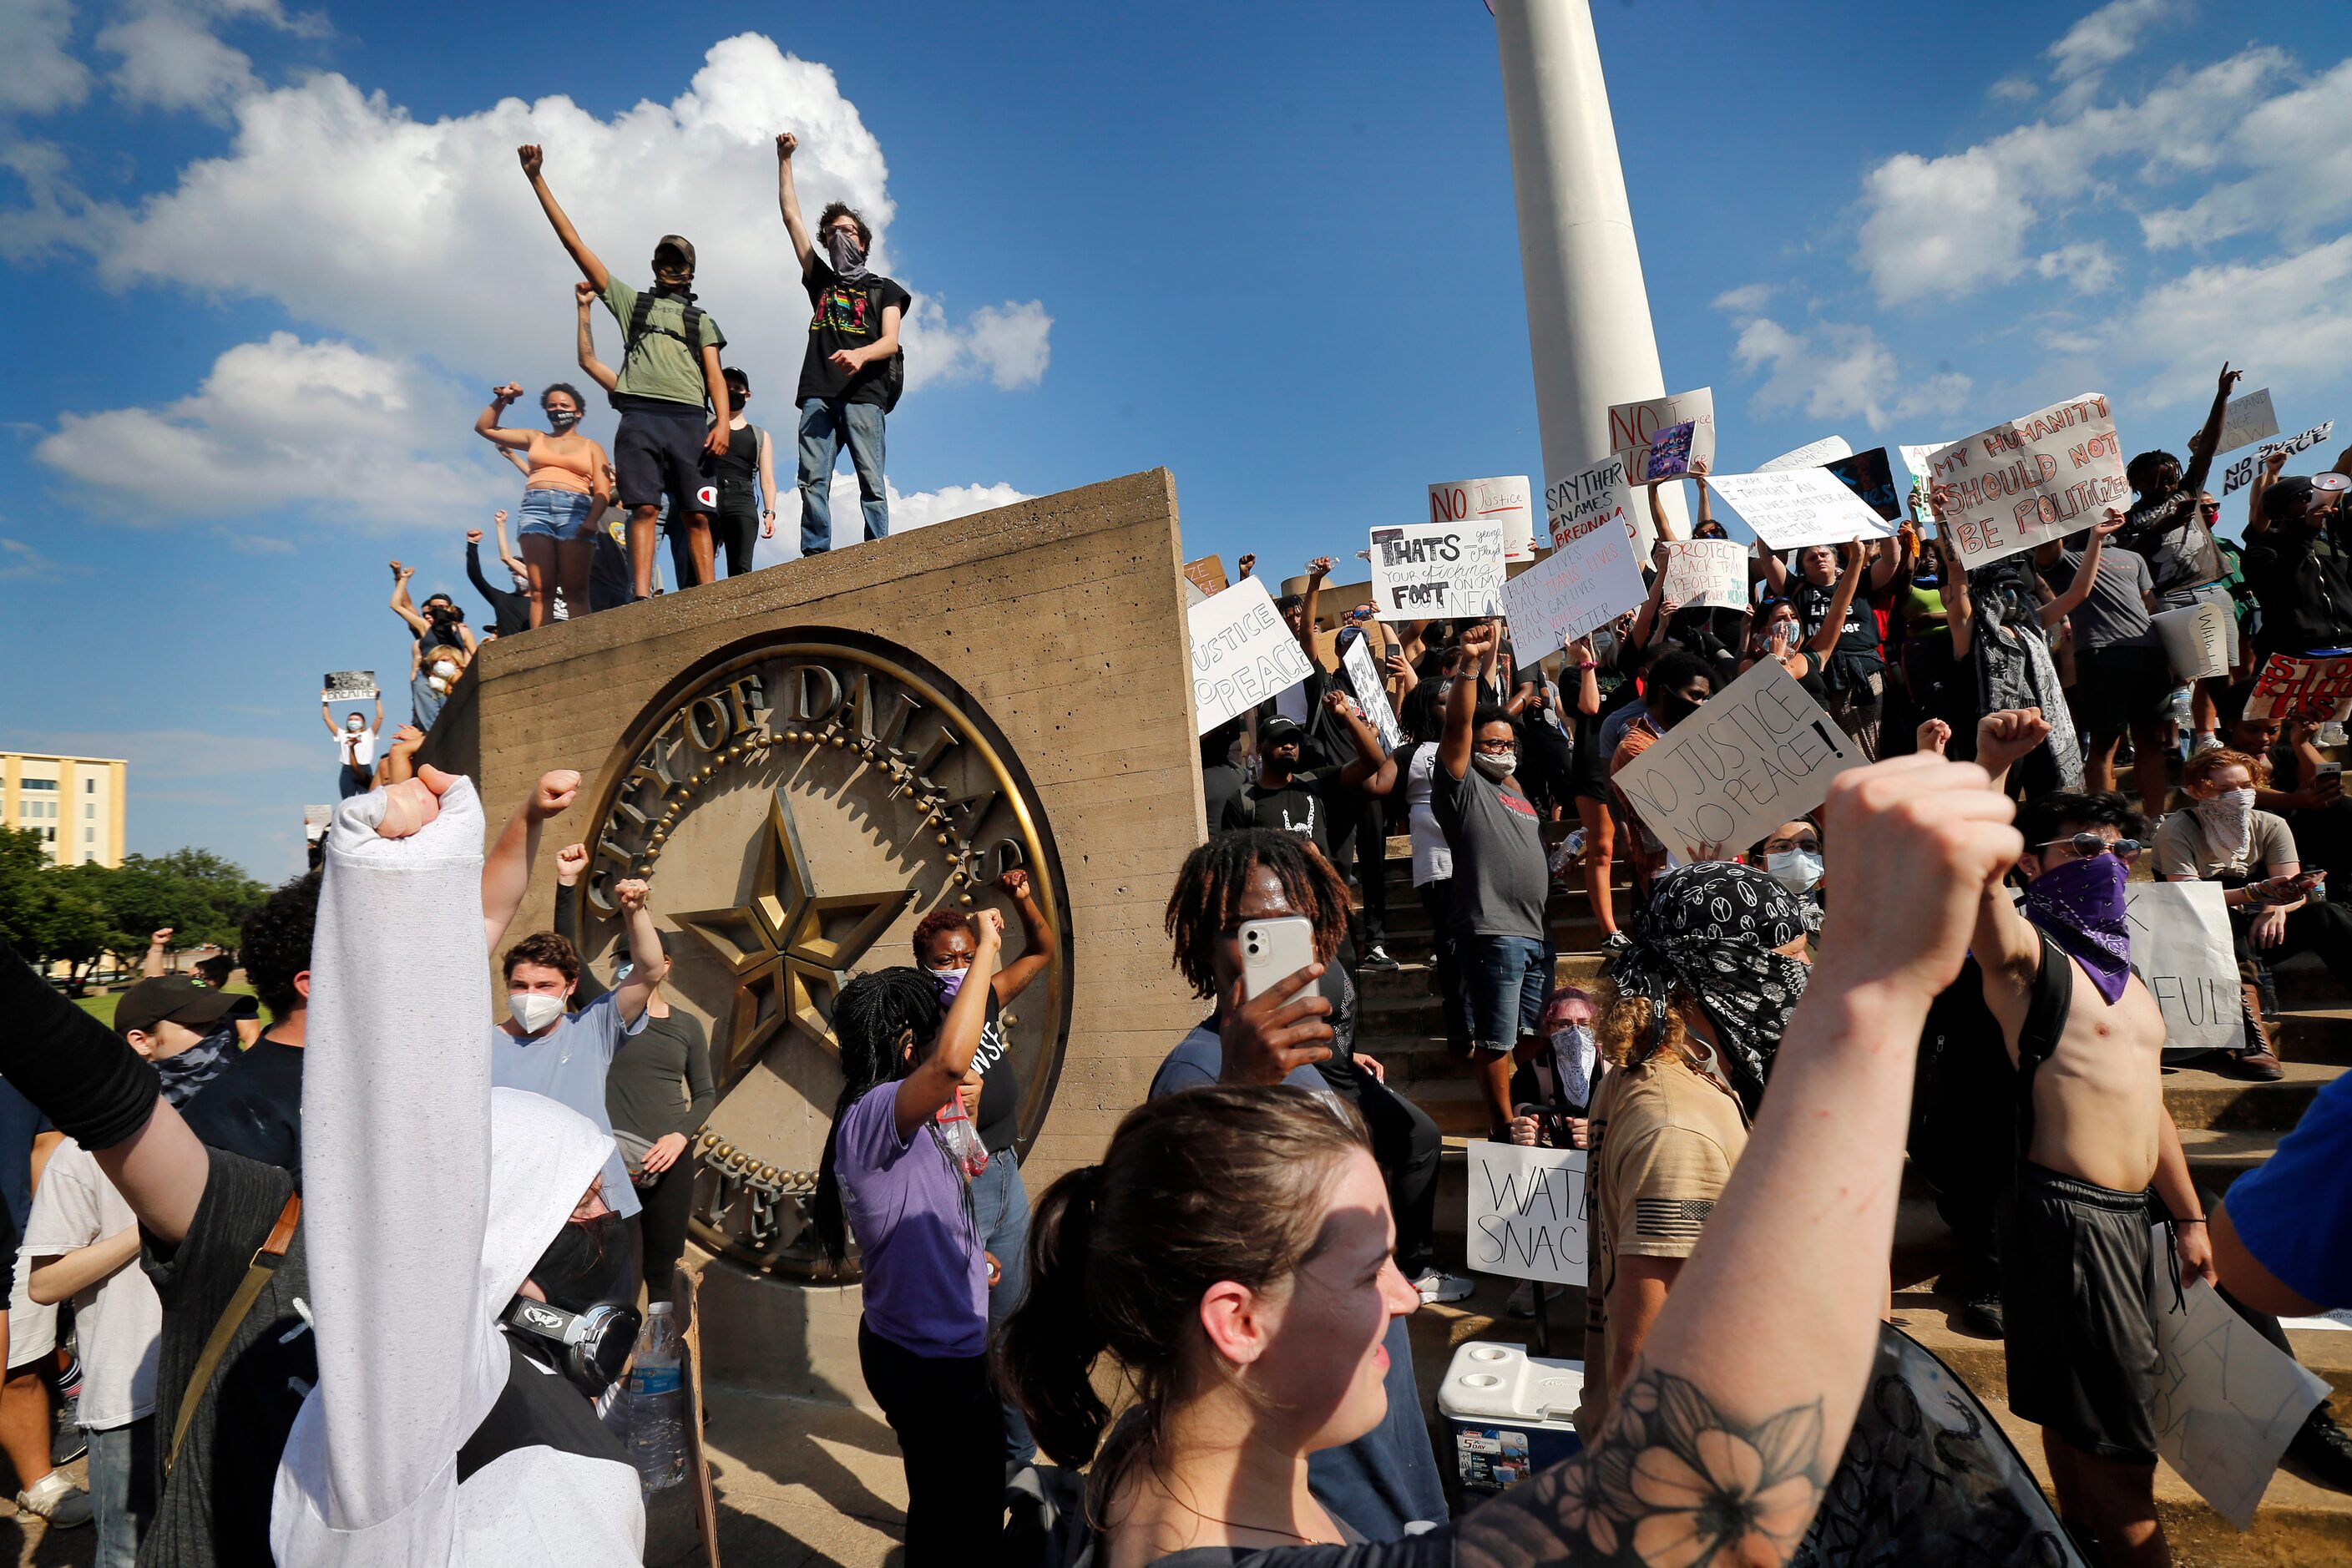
[1671, 1483]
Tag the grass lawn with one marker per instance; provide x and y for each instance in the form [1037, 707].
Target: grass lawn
[103, 1007]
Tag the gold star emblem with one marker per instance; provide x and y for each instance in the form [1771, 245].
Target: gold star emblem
[790, 947]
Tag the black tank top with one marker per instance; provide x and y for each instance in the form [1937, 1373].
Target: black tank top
[738, 471]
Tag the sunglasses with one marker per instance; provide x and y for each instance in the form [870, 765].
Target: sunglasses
[2089, 844]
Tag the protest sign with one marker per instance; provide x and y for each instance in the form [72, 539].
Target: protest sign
[1207, 573]
[1706, 571]
[2054, 472]
[1758, 753]
[1871, 477]
[1574, 506]
[1929, 1476]
[2196, 640]
[1509, 500]
[1243, 653]
[1580, 585]
[1438, 570]
[1915, 459]
[1812, 455]
[2227, 1402]
[1792, 508]
[1527, 1212]
[2242, 473]
[2247, 419]
[1670, 452]
[2292, 687]
[1633, 426]
[348, 686]
[1364, 676]
[2181, 946]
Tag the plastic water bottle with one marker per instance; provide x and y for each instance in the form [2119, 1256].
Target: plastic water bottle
[657, 1402]
[2184, 721]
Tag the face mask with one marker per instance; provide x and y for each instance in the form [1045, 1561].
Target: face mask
[562, 419]
[353, 726]
[183, 1075]
[534, 1010]
[579, 1267]
[443, 668]
[950, 981]
[848, 256]
[1495, 765]
[1572, 1053]
[1795, 869]
[2080, 905]
[1674, 708]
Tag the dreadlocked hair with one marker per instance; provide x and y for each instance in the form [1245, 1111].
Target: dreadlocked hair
[1422, 716]
[874, 1018]
[1209, 890]
[1208, 1184]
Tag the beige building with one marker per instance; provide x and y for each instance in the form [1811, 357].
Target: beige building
[75, 804]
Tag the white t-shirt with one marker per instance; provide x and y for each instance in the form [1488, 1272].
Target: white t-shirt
[358, 747]
[118, 1321]
[1433, 857]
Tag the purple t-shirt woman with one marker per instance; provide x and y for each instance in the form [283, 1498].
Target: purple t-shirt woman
[926, 1275]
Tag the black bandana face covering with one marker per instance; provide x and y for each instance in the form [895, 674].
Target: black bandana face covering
[197, 1065]
[1711, 929]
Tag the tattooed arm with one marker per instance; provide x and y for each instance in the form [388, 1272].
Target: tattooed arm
[1720, 1443]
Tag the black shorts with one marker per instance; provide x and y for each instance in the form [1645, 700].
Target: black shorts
[656, 455]
[2073, 1296]
[2123, 685]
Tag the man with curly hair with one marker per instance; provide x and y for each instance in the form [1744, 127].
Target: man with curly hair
[255, 1107]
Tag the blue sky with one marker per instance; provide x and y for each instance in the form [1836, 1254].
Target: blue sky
[270, 258]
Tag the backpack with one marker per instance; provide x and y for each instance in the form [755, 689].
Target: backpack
[640, 324]
[894, 375]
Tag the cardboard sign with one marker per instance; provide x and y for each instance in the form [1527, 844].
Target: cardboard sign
[1580, 585]
[2242, 473]
[1364, 676]
[1574, 506]
[1759, 753]
[1792, 508]
[2226, 1400]
[1527, 1212]
[1633, 426]
[2248, 419]
[1670, 452]
[2181, 946]
[1708, 572]
[348, 686]
[2291, 686]
[1509, 500]
[1871, 477]
[2054, 472]
[1812, 455]
[1440, 571]
[1243, 653]
[1207, 573]
[2196, 640]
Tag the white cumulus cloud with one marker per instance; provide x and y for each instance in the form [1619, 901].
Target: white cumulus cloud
[2111, 33]
[41, 76]
[2297, 151]
[1833, 371]
[2288, 316]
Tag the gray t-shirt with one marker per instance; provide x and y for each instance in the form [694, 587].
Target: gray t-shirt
[2114, 616]
[1500, 880]
[568, 1065]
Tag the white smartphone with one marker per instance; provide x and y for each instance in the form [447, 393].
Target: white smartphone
[1274, 950]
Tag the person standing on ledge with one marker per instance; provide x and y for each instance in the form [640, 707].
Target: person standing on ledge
[669, 366]
[852, 372]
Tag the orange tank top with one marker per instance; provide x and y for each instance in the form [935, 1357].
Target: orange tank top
[551, 471]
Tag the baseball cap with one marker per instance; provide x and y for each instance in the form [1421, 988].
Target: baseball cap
[184, 999]
[678, 243]
[1275, 730]
[2286, 499]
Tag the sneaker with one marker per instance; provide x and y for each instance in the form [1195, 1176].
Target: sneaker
[57, 1499]
[2254, 1067]
[2323, 1448]
[1376, 957]
[71, 1442]
[1522, 1303]
[1435, 1286]
[1980, 1316]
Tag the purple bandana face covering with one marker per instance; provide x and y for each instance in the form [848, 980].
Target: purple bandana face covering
[2080, 905]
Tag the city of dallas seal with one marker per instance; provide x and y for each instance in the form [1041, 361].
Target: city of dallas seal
[798, 803]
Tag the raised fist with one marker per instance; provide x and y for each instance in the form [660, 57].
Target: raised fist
[507, 393]
[786, 145]
[569, 861]
[630, 895]
[474, 535]
[553, 793]
[585, 292]
[162, 937]
[1015, 882]
[532, 158]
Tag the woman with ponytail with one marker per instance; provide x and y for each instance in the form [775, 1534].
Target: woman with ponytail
[895, 1175]
[1233, 1253]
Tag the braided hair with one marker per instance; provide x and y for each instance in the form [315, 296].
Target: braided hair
[875, 1019]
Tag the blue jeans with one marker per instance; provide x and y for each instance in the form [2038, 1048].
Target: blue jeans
[824, 424]
[1001, 1206]
[1504, 982]
[423, 703]
[559, 515]
[121, 1488]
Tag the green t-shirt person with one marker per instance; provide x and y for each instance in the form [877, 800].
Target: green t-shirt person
[659, 365]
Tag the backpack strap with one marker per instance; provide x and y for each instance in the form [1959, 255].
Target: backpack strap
[266, 1259]
[640, 314]
[2052, 999]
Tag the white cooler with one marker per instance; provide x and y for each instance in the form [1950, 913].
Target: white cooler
[1511, 1413]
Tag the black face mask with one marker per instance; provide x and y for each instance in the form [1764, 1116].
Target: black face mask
[582, 1265]
[1674, 708]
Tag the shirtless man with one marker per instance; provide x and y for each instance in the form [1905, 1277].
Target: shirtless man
[2093, 1133]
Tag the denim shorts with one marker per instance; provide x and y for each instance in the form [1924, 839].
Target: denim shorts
[560, 515]
[1505, 980]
